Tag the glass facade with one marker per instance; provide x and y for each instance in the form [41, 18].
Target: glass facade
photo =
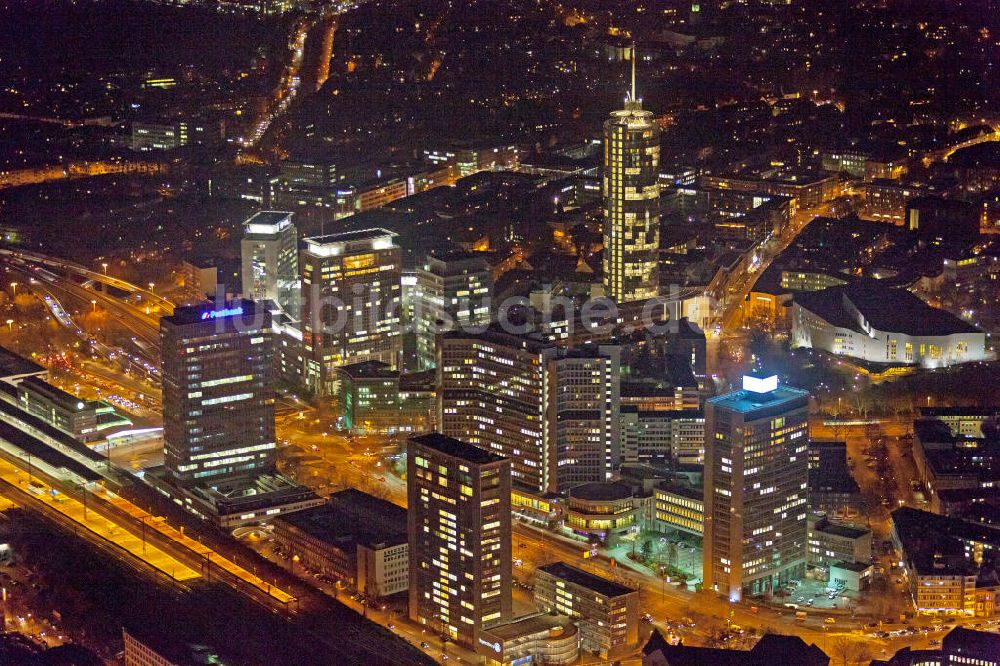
[631, 195]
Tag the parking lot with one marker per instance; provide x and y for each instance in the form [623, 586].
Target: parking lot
[818, 595]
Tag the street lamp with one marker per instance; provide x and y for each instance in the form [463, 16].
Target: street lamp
[151, 285]
[10, 325]
[104, 265]
[13, 288]
[93, 303]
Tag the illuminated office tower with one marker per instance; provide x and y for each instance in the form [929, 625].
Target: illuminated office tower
[270, 260]
[553, 412]
[756, 479]
[631, 202]
[350, 302]
[218, 393]
[583, 419]
[460, 533]
[452, 291]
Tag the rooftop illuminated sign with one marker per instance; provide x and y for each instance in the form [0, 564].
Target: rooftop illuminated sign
[760, 384]
[228, 312]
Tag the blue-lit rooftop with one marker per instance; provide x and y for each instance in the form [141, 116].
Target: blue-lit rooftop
[758, 393]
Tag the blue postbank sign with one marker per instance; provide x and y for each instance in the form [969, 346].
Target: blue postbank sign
[217, 314]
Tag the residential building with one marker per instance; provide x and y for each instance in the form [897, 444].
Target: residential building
[756, 480]
[832, 488]
[350, 302]
[771, 649]
[959, 647]
[942, 558]
[460, 537]
[270, 261]
[631, 196]
[606, 613]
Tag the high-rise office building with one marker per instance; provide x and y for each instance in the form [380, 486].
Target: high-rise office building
[452, 290]
[460, 537]
[552, 411]
[350, 302]
[218, 393]
[270, 260]
[756, 488]
[585, 420]
[631, 196]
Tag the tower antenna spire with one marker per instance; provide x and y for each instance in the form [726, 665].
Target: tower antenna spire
[633, 97]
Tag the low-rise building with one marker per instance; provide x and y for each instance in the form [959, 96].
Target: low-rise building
[607, 510]
[854, 576]
[535, 639]
[960, 647]
[886, 200]
[656, 436]
[160, 135]
[770, 650]
[831, 542]
[85, 420]
[355, 538]
[946, 461]
[679, 506]
[832, 488]
[372, 400]
[606, 613]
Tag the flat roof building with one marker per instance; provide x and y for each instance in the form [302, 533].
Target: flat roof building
[883, 325]
[350, 302]
[460, 537]
[356, 538]
[756, 480]
[606, 613]
[270, 260]
[218, 393]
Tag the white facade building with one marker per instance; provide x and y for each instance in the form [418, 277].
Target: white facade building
[883, 325]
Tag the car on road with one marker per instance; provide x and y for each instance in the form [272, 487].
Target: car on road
[424, 644]
[830, 620]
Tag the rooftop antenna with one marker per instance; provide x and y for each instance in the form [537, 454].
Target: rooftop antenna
[633, 72]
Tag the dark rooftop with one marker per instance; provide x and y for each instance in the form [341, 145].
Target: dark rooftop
[353, 516]
[886, 309]
[456, 448]
[368, 370]
[350, 236]
[599, 491]
[770, 650]
[839, 529]
[579, 577]
[196, 314]
[12, 364]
